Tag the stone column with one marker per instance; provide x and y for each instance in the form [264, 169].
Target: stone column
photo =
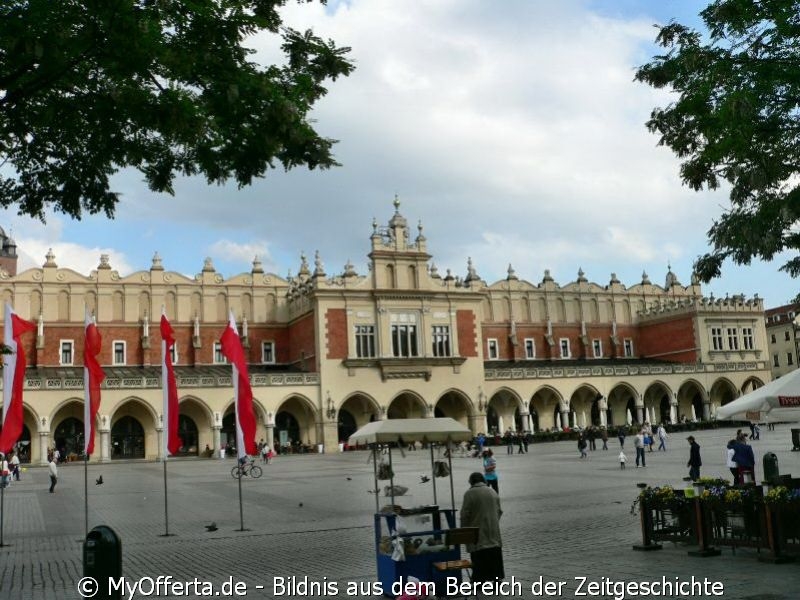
[673, 411]
[500, 429]
[271, 435]
[564, 417]
[44, 442]
[105, 446]
[215, 444]
[602, 407]
[475, 423]
[706, 410]
[160, 438]
[640, 413]
[526, 423]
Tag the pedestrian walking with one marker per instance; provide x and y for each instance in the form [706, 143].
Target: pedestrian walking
[490, 470]
[521, 441]
[694, 463]
[730, 452]
[745, 461]
[591, 435]
[622, 459]
[481, 508]
[5, 473]
[621, 437]
[582, 446]
[53, 474]
[604, 437]
[638, 443]
[662, 438]
[14, 466]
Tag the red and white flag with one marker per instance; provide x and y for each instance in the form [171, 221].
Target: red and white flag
[243, 394]
[93, 376]
[172, 441]
[13, 378]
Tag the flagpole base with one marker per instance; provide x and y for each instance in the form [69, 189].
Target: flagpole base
[243, 530]
[167, 534]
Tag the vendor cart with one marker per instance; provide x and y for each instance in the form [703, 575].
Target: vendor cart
[409, 540]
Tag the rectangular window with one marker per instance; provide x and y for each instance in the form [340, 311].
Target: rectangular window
[66, 352]
[530, 348]
[441, 340]
[491, 344]
[733, 338]
[628, 347]
[787, 335]
[564, 344]
[597, 348]
[789, 358]
[365, 341]
[404, 340]
[174, 353]
[268, 352]
[775, 361]
[716, 338]
[119, 353]
[219, 357]
[747, 338]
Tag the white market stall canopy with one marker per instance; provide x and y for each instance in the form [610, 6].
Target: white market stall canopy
[441, 429]
[778, 400]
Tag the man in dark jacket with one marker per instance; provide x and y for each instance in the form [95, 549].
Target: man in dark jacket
[694, 463]
[745, 462]
[481, 509]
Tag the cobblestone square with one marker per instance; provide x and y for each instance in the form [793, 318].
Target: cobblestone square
[311, 516]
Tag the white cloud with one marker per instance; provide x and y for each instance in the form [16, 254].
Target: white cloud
[83, 259]
[516, 134]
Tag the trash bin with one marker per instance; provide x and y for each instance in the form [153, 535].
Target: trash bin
[795, 440]
[102, 560]
[771, 472]
[320, 448]
[222, 452]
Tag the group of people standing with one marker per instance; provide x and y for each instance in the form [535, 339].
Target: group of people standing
[9, 468]
[740, 459]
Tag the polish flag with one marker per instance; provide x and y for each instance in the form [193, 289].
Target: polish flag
[93, 376]
[243, 394]
[172, 441]
[13, 378]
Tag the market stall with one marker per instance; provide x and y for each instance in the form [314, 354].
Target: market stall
[410, 539]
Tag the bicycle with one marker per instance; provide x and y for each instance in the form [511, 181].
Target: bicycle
[245, 469]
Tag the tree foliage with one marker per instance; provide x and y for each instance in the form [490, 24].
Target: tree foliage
[168, 87]
[737, 120]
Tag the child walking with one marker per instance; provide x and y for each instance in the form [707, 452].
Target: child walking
[622, 459]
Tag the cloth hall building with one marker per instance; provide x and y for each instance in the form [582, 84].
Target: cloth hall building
[329, 353]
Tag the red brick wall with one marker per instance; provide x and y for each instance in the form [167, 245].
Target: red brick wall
[672, 340]
[301, 345]
[336, 334]
[465, 325]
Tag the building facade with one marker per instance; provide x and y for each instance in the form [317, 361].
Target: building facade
[782, 325]
[330, 353]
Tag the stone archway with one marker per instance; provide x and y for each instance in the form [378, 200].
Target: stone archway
[544, 403]
[503, 406]
[621, 401]
[296, 425]
[194, 423]
[66, 430]
[690, 401]
[133, 428]
[127, 438]
[407, 406]
[582, 402]
[657, 403]
[722, 392]
[454, 404]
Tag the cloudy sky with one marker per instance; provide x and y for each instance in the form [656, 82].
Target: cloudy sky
[513, 130]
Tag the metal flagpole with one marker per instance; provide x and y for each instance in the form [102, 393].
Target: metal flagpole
[86, 493]
[166, 508]
[241, 509]
[2, 511]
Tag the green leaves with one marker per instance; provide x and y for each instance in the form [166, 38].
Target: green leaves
[164, 86]
[736, 119]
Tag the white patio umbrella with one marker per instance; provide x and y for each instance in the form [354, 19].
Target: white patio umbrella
[583, 418]
[652, 415]
[694, 413]
[629, 417]
[779, 399]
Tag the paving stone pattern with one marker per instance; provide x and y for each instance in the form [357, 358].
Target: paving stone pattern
[563, 518]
